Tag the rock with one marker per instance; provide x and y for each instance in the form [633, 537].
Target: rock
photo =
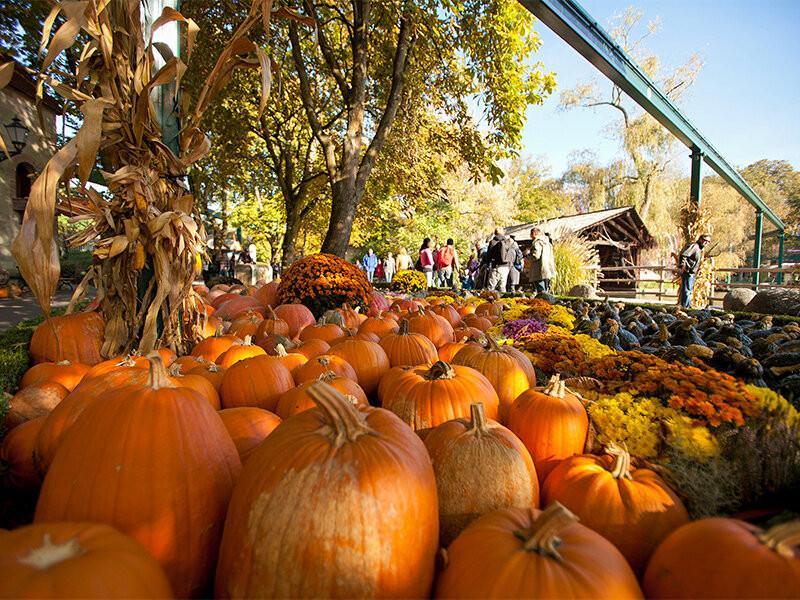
[547, 297]
[583, 290]
[776, 301]
[737, 299]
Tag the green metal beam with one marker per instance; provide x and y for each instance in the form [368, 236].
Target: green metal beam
[757, 248]
[781, 239]
[574, 25]
[697, 176]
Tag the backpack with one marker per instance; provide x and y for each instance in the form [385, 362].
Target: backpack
[504, 252]
[446, 257]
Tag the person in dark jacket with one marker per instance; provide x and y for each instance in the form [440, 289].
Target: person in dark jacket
[516, 268]
[689, 265]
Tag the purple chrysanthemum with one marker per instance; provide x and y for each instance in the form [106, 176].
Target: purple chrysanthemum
[523, 327]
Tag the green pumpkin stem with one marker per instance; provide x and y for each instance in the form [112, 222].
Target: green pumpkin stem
[440, 370]
[346, 422]
[782, 538]
[542, 537]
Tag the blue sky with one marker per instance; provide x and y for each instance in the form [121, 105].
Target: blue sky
[746, 100]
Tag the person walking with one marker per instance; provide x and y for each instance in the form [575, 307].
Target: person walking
[403, 261]
[472, 271]
[689, 265]
[425, 261]
[516, 267]
[448, 263]
[549, 269]
[389, 267]
[501, 256]
[370, 262]
[542, 261]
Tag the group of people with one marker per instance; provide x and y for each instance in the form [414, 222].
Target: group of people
[438, 262]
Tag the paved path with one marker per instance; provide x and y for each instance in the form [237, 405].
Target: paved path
[14, 310]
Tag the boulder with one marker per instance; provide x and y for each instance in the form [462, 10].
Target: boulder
[776, 301]
[737, 299]
[583, 290]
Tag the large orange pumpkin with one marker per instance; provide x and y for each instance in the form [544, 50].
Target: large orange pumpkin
[480, 466]
[448, 312]
[437, 329]
[368, 360]
[246, 324]
[36, 400]
[726, 558]
[310, 348]
[322, 364]
[508, 370]
[297, 316]
[16, 452]
[525, 553]
[408, 349]
[240, 350]
[425, 396]
[634, 509]
[212, 372]
[323, 330]
[449, 350]
[272, 324]
[238, 306]
[198, 383]
[77, 560]
[66, 373]
[290, 360]
[257, 381]
[268, 293]
[248, 426]
[213, 347]
[552, 423]
[156, 462]
[380, 326]
[337, 502]
[298, 399]
[77, 338]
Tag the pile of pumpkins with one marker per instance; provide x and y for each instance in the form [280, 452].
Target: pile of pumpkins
[387, 454]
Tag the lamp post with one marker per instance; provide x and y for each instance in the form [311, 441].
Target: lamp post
[18, 135]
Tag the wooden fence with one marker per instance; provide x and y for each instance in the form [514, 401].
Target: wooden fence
[664, 287]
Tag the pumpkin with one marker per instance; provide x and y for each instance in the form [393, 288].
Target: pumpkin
[240, 350]
[64, 415]
[437, 329]
[290, 360]
[322, 364]
[447, 312]
[189, 362]
[219, 300]
[552, 423]
[508, 370]
[102, 369]
[257, 381]
[310, 348]
[16, 452]
[156, 462]
[233, 308]
[462, 333]
[212, 372]
[726, 558]
[296, 316]
[408, 349]
[77, 338]
[246, 324]
[325, 329]
[449, 350]
[632, 508]
[34, 401]
[477, 322]
[428, 396]
[248, 426]
[271, 324]
[213, 347]
[167, 355]
[337, 502]
[270, 342]
[77, 560]
[480, 466]
[66, 373]
[377, 304]
[526, 553]
[298, 399]
[380, 326]
[198, 383]
[368, 360]
[489, 309]
[268, 293]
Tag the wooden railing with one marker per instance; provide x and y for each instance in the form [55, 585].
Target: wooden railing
[664, 287]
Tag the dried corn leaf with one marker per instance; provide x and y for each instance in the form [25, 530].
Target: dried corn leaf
[48, 27]
[68, 32]
[266, 79]
[89, 136]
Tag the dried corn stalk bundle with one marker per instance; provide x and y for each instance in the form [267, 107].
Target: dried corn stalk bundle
[149, 224]
[695, 221]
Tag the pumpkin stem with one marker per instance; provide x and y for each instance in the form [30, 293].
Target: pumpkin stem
[478, 424]
[280, 350]
[247, 341]
[213, 368]
[555, 387]
[64, 363]
[542, 537]
[348, 424]
[175, 370]
[49, 554]
[403, 327]
[159, 378]
[622, 466]
[272, 314]
[781, 538]
[327, 376]
[323, 360]
[440, 370]
[491, 344]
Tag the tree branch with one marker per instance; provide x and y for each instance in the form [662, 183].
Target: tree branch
[327, 52]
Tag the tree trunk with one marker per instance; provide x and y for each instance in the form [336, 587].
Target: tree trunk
[345, 197]
[289, 246]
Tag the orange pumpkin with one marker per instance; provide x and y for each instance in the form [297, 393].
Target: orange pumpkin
[288, 533]
[16, 452]
[726, 558]
[437, 329]
[65, 372]
[480, 466]
[76, 338]
[526, 553]
[368, 360]
[268, 293]
[322, 364]
[322, 330]
[240, 350]
[34, 401]
[198, 383]
[447, 312]
[310, 348]
[380, 326]
[213, 347]
[134, 458]
[449, 350]
[462, 333]
[246, 324]
[408, 349]
[290, 360]
[77, 560]
[212, 372]
[428, 396]
[477, 322]
[296, 316]
[259, 381]
[271, 325]
[248, 426]
[552, 423]
[189, 362]
[237, 306]
[298, 399]
[632, 508]
[508, 370]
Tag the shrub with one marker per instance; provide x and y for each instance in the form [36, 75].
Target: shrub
[575, 259]
[409, 281]
[323, 282]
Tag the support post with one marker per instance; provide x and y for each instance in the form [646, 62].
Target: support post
[757, 248]
[781, 239]
[697, 176]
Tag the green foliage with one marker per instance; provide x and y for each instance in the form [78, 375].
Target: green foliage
[574, 259]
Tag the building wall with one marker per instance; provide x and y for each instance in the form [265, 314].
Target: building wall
[39, 149]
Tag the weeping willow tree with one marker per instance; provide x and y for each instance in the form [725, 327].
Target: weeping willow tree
[147, 235]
